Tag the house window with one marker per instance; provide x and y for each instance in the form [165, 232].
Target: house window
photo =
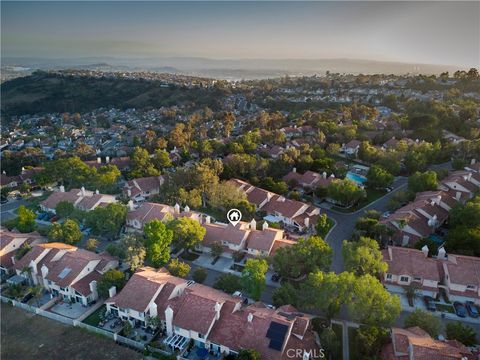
[224, 242]
[389, 276]
[417, 278]
[404, 278]
[201, 336]
[470, 287]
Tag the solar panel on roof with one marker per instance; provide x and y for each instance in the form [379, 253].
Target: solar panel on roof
[275, 345]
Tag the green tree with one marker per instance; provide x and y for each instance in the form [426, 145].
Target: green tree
[106, 178]
[379, 178]
[324, 224]
[179, 268]
[133, 251]
[228, 283]
[248, 354]
[423, 319]
[305, 256]
[68, 232]
[363, 257]
[187, 232]
[330, 343]
[161, 160]
[199, 275]
[107, 221]
[285, 295]
[253, 277]
[370, 339]
[373, 304]
[91, 244]
[64, 209]
[216, 249]
[111, 278]
[157, 242]
[345, 192]
[25, 220]
[141, 164]
[422, 181]
[461, 332]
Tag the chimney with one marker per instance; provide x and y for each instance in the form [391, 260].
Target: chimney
[307, 222]
[176, 209]
[324, 175]
[107, 159]
[253, 224]
[265, 225]
[62, 188]
[425, 250]
[93, 288]
[112, 291]
[131, 207]
[99, 160]
[458, 195]
[442, 254]
[83, 191]
[97, 192]
[208, 219]
[169, 320]
[390, 255]
[473, 161]
[438, 199]
[187, 208]
[129, 192]
[217, 311]
[13, 260]
[250, 317]
[294, 170]
[44, 271]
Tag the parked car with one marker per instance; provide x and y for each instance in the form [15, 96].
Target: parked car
[472, 309]
[3, 200]
[386, 214]
[429, 303]
[460, 309]
[27, 297]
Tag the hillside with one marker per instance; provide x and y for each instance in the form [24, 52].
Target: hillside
[43, 92]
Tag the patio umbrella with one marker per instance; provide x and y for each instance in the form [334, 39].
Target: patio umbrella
[202, 353]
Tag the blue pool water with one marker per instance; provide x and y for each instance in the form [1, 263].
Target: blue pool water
[357, 178]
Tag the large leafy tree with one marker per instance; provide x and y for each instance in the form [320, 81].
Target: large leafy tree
[68, 232]
[379, 178]
[133, 251]
[111, 278]
[345, 192]
[372, 304]
[157, 242]
[107, 221]
[306, 256]
[141, 164]
[179, 268]
[187, 232]
[253, 277]
[423, 181]
[363, 257]
[425, 320]
[461, 332]
[64, 209]
[285, 295]
[26, 220]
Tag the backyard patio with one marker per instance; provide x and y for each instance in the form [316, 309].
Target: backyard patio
[72, 311]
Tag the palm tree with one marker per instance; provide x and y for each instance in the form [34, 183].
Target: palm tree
[36, 291]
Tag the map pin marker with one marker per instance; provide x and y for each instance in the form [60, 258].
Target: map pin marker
[234, 216]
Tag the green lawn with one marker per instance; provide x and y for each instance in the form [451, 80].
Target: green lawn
[94, 318]
[189, 256]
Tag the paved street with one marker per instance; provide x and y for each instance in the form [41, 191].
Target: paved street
[7, 210]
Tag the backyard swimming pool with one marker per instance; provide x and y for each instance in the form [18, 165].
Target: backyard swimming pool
[355, 177]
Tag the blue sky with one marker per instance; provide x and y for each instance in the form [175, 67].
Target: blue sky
[425, 32]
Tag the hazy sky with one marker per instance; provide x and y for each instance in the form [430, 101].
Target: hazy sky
[425, 32]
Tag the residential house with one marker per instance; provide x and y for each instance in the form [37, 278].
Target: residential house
[408, 266]
[80, 198]
[142, 189]
[351, 148]
[415, 343]
[10, 243]
[219, 322]
[147, 211]
[310, 180]
[65, 270]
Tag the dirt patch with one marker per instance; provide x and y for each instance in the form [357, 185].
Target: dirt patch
[28, 336]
